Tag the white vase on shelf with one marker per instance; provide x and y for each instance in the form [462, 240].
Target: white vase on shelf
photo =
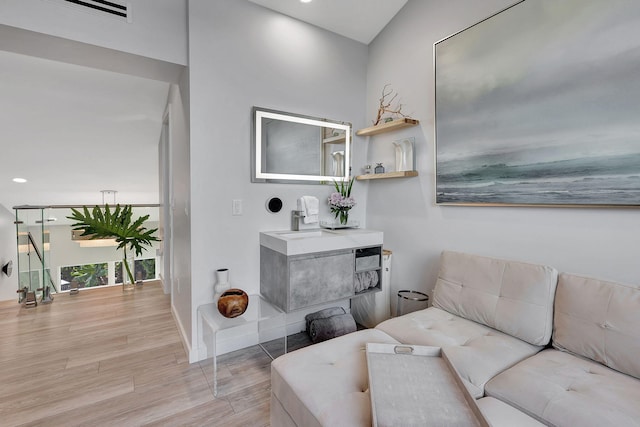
[222, 280]
[404, 154]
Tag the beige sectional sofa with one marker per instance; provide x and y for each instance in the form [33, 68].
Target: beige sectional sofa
[526, 364]
[591, 375]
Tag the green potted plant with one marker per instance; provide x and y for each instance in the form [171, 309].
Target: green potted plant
[117, 224]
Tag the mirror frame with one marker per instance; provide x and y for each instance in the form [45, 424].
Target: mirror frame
[258, 175]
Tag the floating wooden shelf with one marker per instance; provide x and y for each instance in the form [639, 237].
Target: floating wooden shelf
[389, 126]
[335, 139]
[402, 174]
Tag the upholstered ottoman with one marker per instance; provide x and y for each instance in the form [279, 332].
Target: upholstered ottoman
[325, 384]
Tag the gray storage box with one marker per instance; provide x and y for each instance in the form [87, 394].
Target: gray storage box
[367, 262]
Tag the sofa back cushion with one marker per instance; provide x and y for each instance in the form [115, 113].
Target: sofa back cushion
[599, 320]
[513, 297]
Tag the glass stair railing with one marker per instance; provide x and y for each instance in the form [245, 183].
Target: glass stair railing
[74, 263]
[34, 279]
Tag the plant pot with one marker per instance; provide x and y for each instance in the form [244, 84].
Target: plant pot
[127, 284]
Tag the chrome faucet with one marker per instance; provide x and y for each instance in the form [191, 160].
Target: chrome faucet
[295, 220]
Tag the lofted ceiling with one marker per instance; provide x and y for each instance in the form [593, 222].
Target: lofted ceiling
[73, 131]
[359, 20]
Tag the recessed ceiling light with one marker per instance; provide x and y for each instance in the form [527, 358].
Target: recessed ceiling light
[19, 180]
[305, 1]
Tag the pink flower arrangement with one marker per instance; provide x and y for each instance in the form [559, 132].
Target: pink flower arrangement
[340, 201]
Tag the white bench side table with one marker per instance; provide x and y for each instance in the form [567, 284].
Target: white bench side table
[269, 320]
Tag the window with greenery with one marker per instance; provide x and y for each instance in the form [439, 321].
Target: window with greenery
[87, 275]
[144, 269]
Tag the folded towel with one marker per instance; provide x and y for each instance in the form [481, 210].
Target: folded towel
[310, 207]
[331, 327]
[365, 280]
[359, 283]
[322, 314]
[374, 278]
[313, 205]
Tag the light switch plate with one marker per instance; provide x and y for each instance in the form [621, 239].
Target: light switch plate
[236, 207]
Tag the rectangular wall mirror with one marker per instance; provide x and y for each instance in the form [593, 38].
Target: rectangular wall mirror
[292, 147]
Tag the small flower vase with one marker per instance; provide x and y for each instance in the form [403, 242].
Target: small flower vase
[344, 216]
[222, 281]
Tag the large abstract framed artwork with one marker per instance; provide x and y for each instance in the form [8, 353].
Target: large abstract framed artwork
[539, 104]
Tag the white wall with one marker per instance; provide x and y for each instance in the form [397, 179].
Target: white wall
[180, 206]
[242, 55]
[8, 252]
[158, 30]
[597, 242]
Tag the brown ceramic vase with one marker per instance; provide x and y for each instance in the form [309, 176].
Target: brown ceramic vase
[233, 302]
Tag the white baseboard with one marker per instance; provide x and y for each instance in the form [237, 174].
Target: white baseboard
[185, 342]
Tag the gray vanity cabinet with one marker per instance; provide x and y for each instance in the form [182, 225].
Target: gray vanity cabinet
[298, 281]
[316, 279]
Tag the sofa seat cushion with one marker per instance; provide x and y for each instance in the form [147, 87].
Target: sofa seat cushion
[327, 384]
[499, 414]
[510, 296]
[599, 320]
[476, 351]
[561, 389]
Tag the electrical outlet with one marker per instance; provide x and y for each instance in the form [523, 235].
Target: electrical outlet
[236, 207]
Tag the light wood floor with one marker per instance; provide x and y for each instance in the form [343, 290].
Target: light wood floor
[104, 358]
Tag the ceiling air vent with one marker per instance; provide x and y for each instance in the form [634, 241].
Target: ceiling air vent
[113, 9]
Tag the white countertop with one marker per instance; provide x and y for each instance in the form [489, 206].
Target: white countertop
[319, 240]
